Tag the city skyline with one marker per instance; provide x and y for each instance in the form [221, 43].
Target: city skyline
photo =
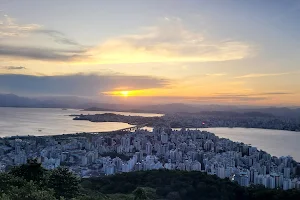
[229, 52]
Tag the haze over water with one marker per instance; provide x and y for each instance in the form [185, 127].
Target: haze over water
[52, 121]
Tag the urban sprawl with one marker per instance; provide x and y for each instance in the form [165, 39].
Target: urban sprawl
[163, 148]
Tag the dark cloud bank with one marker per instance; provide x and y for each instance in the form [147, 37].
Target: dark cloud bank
[13, 67]
[77, 84]
[40, 53]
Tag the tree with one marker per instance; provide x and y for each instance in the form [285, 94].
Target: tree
[173, 196]
[64, 183]
[140, 194]
[150, 192]
[30, 171]
[28, 191]
[4, 197]
[7, 181]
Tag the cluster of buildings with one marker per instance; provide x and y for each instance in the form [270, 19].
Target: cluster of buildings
[229, 119]
[188, 150]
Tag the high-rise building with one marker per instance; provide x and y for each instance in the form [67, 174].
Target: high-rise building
[209, 145]
[221, 172]
[271, 182]
[287, 172]
[196, 166]
[20, 158]
[255, 175]
[164, 137]
[110, 169]
[242, 179]
[84, 160]
[245, 181]
[263, 170]
[287, 183]
[149, 148]
[18, 146]
[276, 179]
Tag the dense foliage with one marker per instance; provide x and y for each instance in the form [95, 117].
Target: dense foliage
[32, 182]
[64, 183]
[185, 185]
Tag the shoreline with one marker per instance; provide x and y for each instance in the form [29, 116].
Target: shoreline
[111, 132]
[197, 121]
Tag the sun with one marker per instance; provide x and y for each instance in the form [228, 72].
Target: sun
[124, 93]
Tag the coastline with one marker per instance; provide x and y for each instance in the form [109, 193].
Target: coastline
[172, 122]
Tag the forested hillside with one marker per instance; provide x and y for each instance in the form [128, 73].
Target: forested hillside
[32, 182]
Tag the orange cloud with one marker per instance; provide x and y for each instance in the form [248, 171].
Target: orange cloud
[167, 42]
[264, 75]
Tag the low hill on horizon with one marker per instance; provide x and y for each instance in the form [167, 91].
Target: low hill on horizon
[12, 100]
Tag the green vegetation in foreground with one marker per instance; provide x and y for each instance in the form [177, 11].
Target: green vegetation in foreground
[32, 182]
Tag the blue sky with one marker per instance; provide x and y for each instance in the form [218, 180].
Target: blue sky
[200, 48]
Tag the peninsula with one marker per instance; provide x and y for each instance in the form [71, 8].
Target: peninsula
[203, 120]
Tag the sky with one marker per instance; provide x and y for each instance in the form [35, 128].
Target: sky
[192, 51]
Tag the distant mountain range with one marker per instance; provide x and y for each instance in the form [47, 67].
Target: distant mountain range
[221, 109]
[12, 100]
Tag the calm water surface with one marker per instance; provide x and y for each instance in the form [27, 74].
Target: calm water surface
[275, 142]
[49, 121]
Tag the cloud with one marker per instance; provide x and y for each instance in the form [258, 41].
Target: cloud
[57, 36]
[263, 75]
[254, 94]
[13, 67]
[77, 84]
[201, 99]
[9, 27]
[217, 74]
[235, 98]
[243, 98]
[170, 41]
[40, 53]
[275, 93]
[216, 98]
[230, 97]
